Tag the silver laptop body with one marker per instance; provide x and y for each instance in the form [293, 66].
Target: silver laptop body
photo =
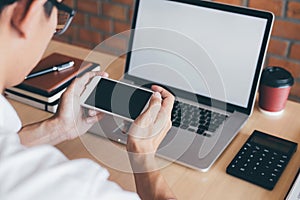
[210, 57]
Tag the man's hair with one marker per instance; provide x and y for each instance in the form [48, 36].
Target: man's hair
[4, 3]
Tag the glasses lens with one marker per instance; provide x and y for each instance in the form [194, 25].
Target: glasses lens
[62, 20]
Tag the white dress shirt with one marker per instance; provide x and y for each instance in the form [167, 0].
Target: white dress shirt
[43, 172]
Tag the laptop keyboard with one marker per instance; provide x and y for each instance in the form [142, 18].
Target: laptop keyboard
[196, 119]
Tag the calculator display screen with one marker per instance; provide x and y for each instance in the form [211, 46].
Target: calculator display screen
[272, 143]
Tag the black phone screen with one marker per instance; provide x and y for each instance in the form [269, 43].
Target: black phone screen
[119, 98]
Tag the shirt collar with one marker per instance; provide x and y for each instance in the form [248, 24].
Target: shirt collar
[9, 119]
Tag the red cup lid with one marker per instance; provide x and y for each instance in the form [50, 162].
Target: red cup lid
[276, 77]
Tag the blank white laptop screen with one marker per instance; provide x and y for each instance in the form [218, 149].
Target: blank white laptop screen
[208, 52]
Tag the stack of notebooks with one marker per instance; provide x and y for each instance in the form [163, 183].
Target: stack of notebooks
[44, 91]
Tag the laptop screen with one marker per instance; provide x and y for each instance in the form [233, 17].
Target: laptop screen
[215, 53]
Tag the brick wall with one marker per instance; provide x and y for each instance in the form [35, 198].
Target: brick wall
[97, 20]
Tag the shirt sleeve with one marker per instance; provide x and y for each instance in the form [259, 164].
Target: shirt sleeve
[43, 172]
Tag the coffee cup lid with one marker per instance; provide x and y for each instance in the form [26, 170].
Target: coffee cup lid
[276, 77]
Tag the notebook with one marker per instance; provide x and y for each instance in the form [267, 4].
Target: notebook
[44, 92]
[210, 56]
[49, 87]
[52, 83]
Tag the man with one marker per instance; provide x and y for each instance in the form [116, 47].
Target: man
[32, 169]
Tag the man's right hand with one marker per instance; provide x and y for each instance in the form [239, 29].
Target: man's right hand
[149, 129]
[144, 137]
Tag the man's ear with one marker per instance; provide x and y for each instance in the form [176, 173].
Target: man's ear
[25, 16]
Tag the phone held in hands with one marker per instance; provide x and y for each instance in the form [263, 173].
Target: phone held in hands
[116, 98]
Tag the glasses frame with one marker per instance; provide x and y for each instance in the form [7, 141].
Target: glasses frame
[63, 7]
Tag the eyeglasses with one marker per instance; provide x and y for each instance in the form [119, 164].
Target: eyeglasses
[65, 16]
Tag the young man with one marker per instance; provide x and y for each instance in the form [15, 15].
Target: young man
[32, 169]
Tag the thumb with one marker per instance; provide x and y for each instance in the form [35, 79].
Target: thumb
[150, 114]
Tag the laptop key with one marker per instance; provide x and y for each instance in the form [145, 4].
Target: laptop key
[176, 124]
[200, 131]
[183, 126]
[191, 129]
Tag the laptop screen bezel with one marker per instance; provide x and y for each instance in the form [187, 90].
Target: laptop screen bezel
[203, 99]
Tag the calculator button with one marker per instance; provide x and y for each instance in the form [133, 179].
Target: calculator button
[274, 175]
[266, 150]
[271, 180]
[284, 156]
[242, 169]
[279, 165]
[281, 161]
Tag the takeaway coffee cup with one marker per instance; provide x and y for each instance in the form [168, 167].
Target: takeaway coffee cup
[274, 90]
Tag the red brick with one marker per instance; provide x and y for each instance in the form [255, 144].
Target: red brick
[69, 3]
[121, 27]
[90, 36]
[295, 90]
[274, 6]
[233, 2]
[131, 13]
[293, 10]
[71, 32]
[101, 24]
[114, 11]
[286, 29]
[88, 6]
[126, 2]
[295, 51]
[278, 47]
[292, 67]
[79, 19]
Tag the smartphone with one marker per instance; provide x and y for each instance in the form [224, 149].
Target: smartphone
[116, 98]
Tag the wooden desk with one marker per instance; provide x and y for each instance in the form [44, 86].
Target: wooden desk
[186, 183]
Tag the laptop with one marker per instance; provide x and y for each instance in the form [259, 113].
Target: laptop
[210, 56]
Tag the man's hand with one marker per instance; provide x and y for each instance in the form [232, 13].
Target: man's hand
[144, 137]
[70, 120]
[70, 116]
[149, 129]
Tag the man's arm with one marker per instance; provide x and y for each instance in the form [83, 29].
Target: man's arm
[144, 137]
[69, 121]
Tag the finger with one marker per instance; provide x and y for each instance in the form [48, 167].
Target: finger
[94, 119]
[168, 98]
[148, 117]
[92, 112]
[78, 85]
